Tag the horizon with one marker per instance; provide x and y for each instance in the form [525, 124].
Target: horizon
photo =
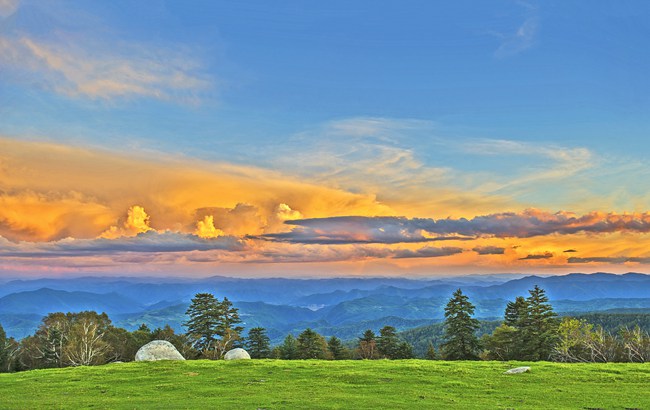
[309, 140]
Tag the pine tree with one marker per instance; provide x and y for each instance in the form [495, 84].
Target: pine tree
[4, 349]
[404, 351]
[228, 317]
[431, 352]
[367, 345]
[539, 328]
[203, 325]
[289, 348]
[461, 342]
[336, 348]
[515, 312]
[388, 344]
[257, 343]
[311, 345]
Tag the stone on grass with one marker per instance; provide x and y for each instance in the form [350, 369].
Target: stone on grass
[236, 354]
[158, 350]
[518, 370]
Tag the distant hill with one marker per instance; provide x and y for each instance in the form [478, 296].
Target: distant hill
[338, 306]
[44, 301]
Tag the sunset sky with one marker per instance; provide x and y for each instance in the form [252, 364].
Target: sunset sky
[323, 138]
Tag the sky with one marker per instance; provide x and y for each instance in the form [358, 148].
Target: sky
[338, 138]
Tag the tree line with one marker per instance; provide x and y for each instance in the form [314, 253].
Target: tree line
[530, 331]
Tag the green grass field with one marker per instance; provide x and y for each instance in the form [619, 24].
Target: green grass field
[276, 384]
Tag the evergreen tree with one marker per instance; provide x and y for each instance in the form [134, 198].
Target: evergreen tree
[367, 348]
[203, 325]
[539, 328]
[311, 345]
[388, 344]
[289, 348]
[336, 349]
[4, 349]
[258, 343]
[228, 317]
[460, 338]
[515, 312]
[404, 351]
[431, 352]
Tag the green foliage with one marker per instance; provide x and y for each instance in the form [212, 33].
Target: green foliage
[72, 339]
[515, 312]
[431, 352]
[212, 325]
[202, 325]
[538, 328]
[461, 342]
[258, 343]
[388, 343]
[4, 354]
[272, 384]
[501, 344]
[336, 349]
[311, 345]
[289, 348]
[367, 347]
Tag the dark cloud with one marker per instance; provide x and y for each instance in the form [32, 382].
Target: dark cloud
[148, 242]
[545, 255]
[530, 223]
[427, 252]
[570, 251]
[360, 252]
[489, 250]
[613, 260]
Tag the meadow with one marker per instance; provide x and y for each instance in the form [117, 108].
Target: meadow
[314, 384]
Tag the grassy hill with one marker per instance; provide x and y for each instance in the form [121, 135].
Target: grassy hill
[274, 384]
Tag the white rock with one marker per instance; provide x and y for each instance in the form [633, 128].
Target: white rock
[236, 354]
[158, 350]
[517, 370]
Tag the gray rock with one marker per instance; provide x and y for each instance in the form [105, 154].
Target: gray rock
[517, 370]
[236, 354]
[158, 350]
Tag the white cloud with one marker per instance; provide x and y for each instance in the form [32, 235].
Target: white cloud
[8, 7]
[77, 68]
[523, 37]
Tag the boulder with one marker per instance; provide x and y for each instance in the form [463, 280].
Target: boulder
[236, 354]
[158, 350]
[517, 370]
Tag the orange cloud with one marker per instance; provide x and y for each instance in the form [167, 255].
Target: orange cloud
[206, 229]
[137, 221]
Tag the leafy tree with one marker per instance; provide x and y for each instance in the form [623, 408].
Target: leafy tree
[258, 343]
[180, 341]
[636, 343]
[336, 349]
[500, 345]
[538, 328]
[460, 338]
[388, 344]
[367, 348]
[289, 348]
[203, 325]
[311, 345]
[86, 343]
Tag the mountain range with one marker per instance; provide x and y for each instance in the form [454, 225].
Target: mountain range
[341, 306]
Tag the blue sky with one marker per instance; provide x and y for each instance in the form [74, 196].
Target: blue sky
[429, 108]
[566, 72]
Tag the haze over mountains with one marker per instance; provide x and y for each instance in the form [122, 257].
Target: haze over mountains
[341, 307]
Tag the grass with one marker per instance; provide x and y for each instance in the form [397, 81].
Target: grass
[277, 384]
